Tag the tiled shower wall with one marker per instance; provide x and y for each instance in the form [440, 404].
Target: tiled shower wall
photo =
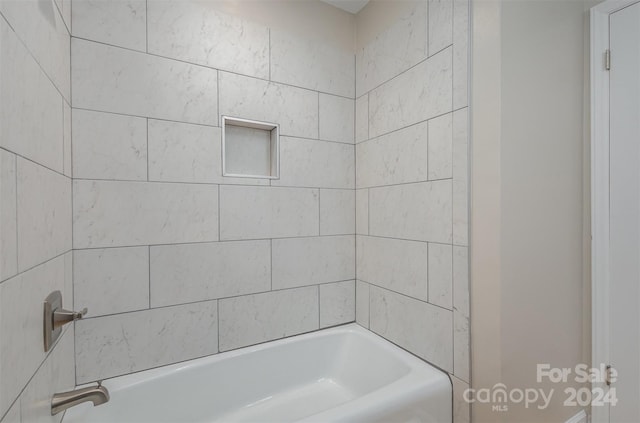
[173, 260]
[35, 204]
[411, 180]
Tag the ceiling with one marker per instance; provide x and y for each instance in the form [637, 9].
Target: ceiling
[351, 6]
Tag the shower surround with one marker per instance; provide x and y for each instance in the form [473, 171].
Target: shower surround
[368, 221]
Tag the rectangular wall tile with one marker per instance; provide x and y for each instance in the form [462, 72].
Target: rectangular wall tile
[337, 303]
[337, 118]
[311, 163]
[362, 304]
[268, 212]
[21, 350]
[294, 109]
[111, 214]
[144, 339]
[421, 328]
[441, 275]
[461, 408]
[312, 64]
[40, 27]
[195, 272]
[109, 146]
[8, 215]
[308, 261]
[395, 158]
[425, 209]
[120, 23]
[440, 147]
[394, 264]
[57, 374]
[111, 280]
[181, 152]
[30, 106]
[44, 214]
[421, 93]
[337, 211]
[252, 319]
[362, 119]
[382, 59]
[113, 79]
[460, 53]
[440, 14]
[460, 178]
[194, 32]
[362, 211]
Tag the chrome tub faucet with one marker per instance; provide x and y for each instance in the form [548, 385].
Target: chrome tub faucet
[63, 400]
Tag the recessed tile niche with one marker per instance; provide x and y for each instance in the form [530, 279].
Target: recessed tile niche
[250, 148]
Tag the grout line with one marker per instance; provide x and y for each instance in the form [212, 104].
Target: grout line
[147, 129]
[146, 26]
[149, 269]
[215, 242]
[209, 300]
[271, 264]
[34, 162]
[86, 109]
[319, 324]
[21, 272]
[407, 296]
[348, 97]
[15, 167]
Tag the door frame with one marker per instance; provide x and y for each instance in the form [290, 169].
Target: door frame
[600, 310]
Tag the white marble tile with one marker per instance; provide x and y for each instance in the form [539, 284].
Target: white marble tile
[13, 415]
[21, 350]
[67, 167]
[337, 211]
[362, 304]
[362, 211]
[44, 214]
[57, 374]
[294, 109]
[460, 178]
[441, 147]
[8, 215]
[441, 275]
[337, 118]
[419, 211]
[109, 146]
[205, 271]
[115, 214]
[64, 6]
[461, 345]
[460, 53]
[252, 319]
[421, 328]
[42, 30]
[395, 158]
[30, 106]
[268, 212]
[461, 312]
[312, 64]
[362, 119]
[461, 279]
[309, 261]
[120, 23]
[395, 50]
[182, 152]
[141, 340]
[440, 25]
[394, 264]
[111, 280]
[337, 303]
[461, 408]
[421, 93]
[113, 79]
[312, 163]
[196, 33]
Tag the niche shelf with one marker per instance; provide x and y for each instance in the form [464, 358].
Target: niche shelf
[250, 148]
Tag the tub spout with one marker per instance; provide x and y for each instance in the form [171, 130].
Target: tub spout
[63, 400]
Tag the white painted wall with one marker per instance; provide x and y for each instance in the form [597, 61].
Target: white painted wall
[530, 271]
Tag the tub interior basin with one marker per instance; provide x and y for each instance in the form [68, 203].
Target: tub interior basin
[281, 381]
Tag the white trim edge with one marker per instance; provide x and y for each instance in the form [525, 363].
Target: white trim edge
[579, 417]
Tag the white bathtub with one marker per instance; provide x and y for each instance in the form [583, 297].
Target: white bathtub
[343, 374]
